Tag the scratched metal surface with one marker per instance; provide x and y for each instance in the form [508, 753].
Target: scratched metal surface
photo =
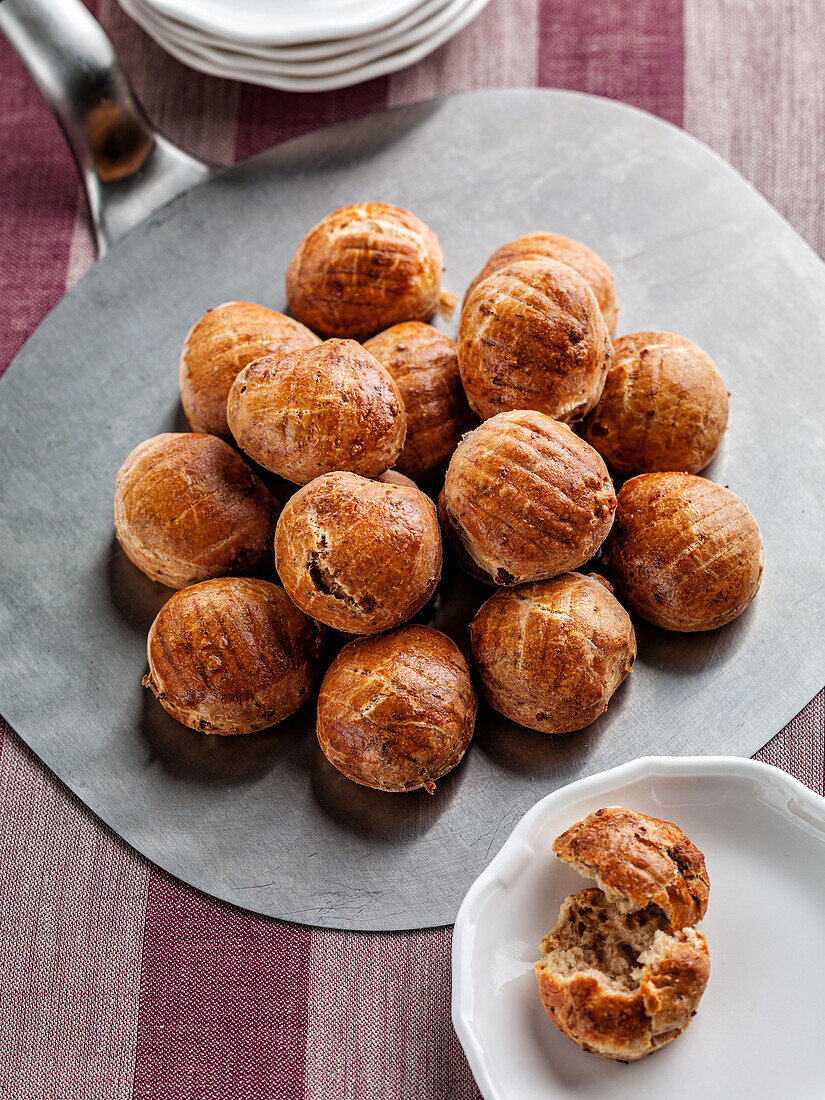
[263, 821]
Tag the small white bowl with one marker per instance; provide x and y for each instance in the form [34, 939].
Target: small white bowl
[758, 1032]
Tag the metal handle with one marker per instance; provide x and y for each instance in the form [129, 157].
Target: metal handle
[128, 170]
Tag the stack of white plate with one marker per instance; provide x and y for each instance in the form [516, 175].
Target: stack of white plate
[301, 45]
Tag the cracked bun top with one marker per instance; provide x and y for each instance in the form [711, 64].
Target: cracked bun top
[232, 655]
[526, 499]
[306, 413]
[551, 654]
[664, 406]
[531, 336]
[638, 861]
[217, 349]
[685, 553]
[553, 246]
[424, 364]
[397, 712]
[361, 556]
[187, 508]
[364, 268]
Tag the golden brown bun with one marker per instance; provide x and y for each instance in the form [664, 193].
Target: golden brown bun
[553, 246]
[364, 268]
[220, 345]
[531, 336]
[526, 498]
[232, 655]
[639, 861]
[306, 413]
[685, 553]
[664, 406]
[187, 507]
[620, 985]
[424, 364]
[550, 654]
[397, 712]
[361, 556]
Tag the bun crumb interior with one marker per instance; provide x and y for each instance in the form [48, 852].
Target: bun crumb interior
[594, 935]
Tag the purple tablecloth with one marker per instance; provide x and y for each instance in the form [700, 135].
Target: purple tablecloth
[119, 982]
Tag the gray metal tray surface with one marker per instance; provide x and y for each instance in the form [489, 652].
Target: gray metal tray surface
[264, 821]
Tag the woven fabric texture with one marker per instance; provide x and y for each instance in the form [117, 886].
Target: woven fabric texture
[119, 982]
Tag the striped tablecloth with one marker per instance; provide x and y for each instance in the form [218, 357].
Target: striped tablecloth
[119, 982]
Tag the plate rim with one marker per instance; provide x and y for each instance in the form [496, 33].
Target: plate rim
[460, 14]
[294, 52]
[346, 63]
[508, 857]
[362, 23]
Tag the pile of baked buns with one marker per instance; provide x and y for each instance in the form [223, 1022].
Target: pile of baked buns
[360, 405]
[623, 971]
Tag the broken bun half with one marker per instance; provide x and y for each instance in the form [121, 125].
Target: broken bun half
[624, 969]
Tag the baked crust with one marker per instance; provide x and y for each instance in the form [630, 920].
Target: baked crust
[664, 406]
[551, 654]
[232, 655]
[393, 477]
[526, 498]
[531, 336]
[396, 712]
[217, 349]
[553, 246]
[187, 508]
[361, 556]
[626, 1020]
[364, 268]
[451, 538]
[424, 365]
[685, 553]
[306, 413]
[639, 861]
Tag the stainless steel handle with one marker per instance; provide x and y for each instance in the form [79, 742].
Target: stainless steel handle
[128, 170]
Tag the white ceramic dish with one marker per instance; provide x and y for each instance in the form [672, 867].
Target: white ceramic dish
[758, 1032]
[346, 63]
[285, 21]
[293, 52]
[253, 70]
